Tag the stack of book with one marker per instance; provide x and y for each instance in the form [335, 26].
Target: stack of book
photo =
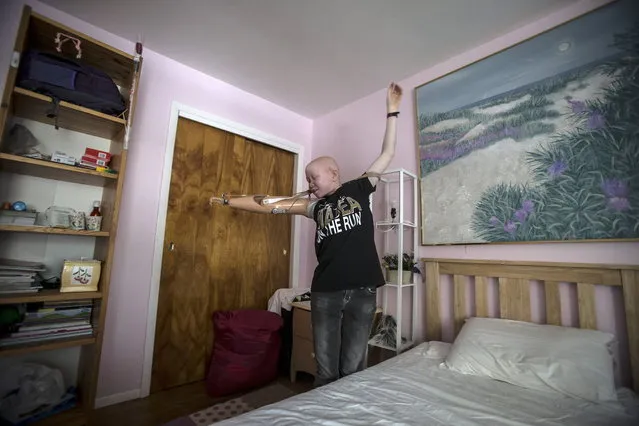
[17, 276]
[94, 158]
[51, 321]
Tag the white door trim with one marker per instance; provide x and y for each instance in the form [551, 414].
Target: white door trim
[179, 110]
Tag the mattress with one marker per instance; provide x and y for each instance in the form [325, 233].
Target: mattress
[412, 389]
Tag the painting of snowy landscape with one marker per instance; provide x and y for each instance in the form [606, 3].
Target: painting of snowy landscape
[539, 142]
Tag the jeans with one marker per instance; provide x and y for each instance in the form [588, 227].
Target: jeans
[341, 323]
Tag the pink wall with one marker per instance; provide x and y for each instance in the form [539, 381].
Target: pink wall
[163, 81]
[353, 135]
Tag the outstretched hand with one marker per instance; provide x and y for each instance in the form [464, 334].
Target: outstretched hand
[393, 97]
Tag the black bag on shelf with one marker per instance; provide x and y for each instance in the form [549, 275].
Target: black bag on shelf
[65, 79]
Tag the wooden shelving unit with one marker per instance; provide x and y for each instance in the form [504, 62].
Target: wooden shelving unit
[48, 296]
[39, 32]
[49, 230]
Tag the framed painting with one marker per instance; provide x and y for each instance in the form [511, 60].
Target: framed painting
[538, 142]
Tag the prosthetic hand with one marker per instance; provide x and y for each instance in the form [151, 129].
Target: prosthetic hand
[295, 204]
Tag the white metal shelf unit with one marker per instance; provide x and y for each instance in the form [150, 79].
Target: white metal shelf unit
[397, 185]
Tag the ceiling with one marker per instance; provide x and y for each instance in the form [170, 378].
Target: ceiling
[309, 56]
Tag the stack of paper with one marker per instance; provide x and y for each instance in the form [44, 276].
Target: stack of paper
[18, 276]
[50, 321]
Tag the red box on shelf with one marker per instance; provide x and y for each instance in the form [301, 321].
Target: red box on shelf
[96, 153]
[92, 161]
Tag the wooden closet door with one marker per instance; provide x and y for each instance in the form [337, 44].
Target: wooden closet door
[216, 258]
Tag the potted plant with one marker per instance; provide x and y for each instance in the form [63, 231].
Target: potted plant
[391, 264]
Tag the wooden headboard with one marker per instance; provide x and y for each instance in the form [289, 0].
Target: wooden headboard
[472, 280]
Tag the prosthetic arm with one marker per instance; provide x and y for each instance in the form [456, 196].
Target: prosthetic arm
[296, 204]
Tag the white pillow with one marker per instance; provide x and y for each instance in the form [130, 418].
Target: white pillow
[571, 361]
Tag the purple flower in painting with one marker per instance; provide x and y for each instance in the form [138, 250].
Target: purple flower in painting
[615, 188]
[510, 227]
[528, 206]
[494, 221]
[557, 168]
[619, 204]
[577, 107]
[616, 192]
[596, 120]
[521, 215]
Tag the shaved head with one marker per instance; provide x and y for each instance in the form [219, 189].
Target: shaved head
[324, 162]
[322, 175]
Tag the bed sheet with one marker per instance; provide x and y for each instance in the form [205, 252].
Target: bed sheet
[412, 389]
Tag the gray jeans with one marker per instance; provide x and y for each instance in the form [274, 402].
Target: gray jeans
[342, 323]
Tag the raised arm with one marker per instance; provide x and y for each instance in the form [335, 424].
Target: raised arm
[267, 204]
[393, 100]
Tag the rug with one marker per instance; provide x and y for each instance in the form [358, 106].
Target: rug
[221, 411]
[234, 407]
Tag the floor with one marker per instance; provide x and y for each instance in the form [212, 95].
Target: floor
[162, 407]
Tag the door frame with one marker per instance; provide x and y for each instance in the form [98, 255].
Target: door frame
[178, 111]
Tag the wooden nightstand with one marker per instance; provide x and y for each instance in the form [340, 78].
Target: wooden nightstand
[302, 353]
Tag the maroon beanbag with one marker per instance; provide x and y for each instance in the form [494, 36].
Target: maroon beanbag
[246, 351]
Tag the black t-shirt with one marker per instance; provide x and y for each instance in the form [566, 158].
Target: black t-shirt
[345, 240]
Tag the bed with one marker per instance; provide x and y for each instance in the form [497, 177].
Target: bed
[418, 388]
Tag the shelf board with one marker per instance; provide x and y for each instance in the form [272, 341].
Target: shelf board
[47, 296]
[402, 348]
[35, 106]
[49, 230]
[395, 285]
[48, 345]
[50, 170]
[388, 223]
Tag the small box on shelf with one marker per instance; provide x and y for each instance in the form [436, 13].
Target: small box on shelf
[63, 158]
[80, 276]
[12, 217]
